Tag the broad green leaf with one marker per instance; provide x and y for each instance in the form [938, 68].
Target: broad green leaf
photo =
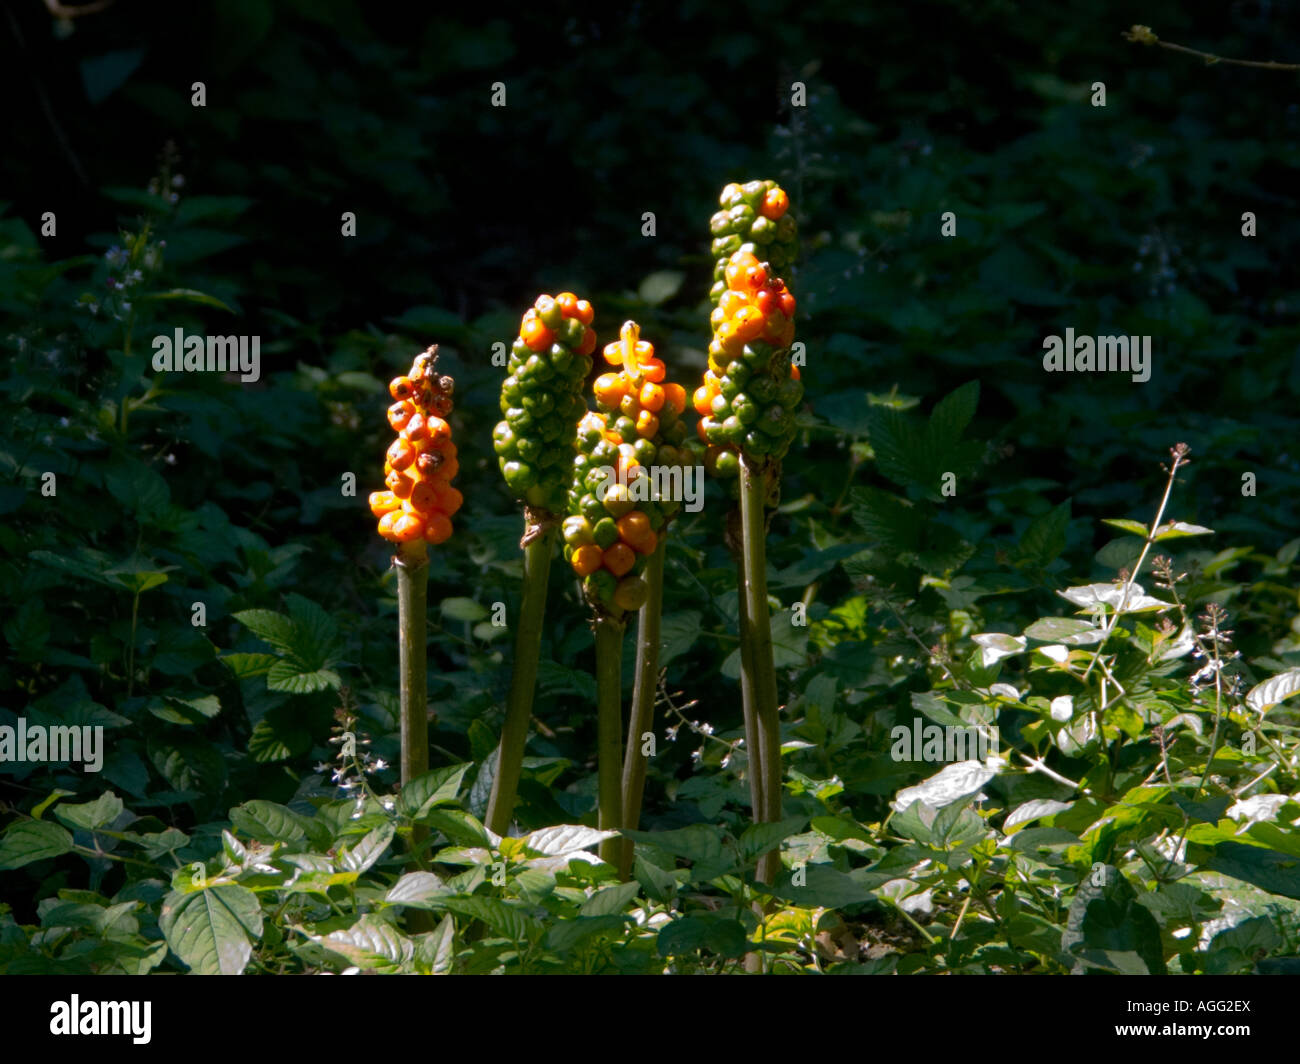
[417, 889]
[91, 815]
[370, 943]
[268, 821]
[1277, 873]
[1264, 696]
[366, 852]
[288, 676]
[566, 935]
[212, 930]
[1179, 529]
[1044, 539]
[438, 787]
[698, 842]
[822, 887]
[435, 952]
[508, 921]
[565, 839]
[760, 838]
[268, 626]
[949, 784]
[463, 609]
[33, 840]
[610, 900]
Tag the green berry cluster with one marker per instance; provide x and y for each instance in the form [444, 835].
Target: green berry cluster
[542, 399]
[754, 219]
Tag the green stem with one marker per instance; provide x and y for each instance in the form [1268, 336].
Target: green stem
[523, 681]
[609, 731]
[754, 739]
[646, 687]
[753, 555]
[413, 640]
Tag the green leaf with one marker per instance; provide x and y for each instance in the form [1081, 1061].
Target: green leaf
[212, 930]
[436, 952]
[681, 936]
[32, 840]
[679, 633]
[370, 943]
[268, 626]
[698, 842]
[366, 852]
[823, 887]
[1106, 921]
[566, 935]
[660, 286]
[1044, 539]
[508, 921]
[1179, 529]
[463, 609]
[268, 821]
[439, 787]
[417, 890]
[288, 676]
[760, 838]
[1058, 629]
[1264, 696]
[91, 815]
[564, 839]
[610, 900]
[1277, 873]
[49, 800]
[1125, 525]
[186, 295]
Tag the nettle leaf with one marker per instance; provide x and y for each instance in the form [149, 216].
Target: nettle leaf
[1109, 929]
[212, 930]
[33, 840]
[1044, 539]
[291, 677]
[268, 626]
[307, 638]
[1264, 696]
[895, 522]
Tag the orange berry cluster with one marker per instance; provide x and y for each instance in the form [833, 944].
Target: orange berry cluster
[419, 501]
[615, 514]
[751, 389]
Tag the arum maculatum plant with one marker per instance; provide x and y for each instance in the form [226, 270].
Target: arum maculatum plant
[629, 451]
[747, 404]
[414, 511]
[541, 400]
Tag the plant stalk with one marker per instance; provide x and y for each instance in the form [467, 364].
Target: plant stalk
[609, 731]
[753, 556]
[523, 681]
[646, 687]
[412, 564]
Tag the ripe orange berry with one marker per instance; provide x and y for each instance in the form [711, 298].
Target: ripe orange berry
[401, 387]
[787, 303]
[402, 453]
[727, 337]
[439, 430]
[748, 324]
[794, 372]
[588, 344]
[384, 502]
[585, 312]
[736, 270]
[400, 413]
[386, 524]
[647, 424]
[755, 278]
[407, 527]
[648, 544]
[568, 304]
[654, 370]
[399, 484]
[652, 397]
[731, 302]
[449, 499]
[416, 429]
[633, 527]
[587, 559]
[609, 389]
[702, 400]
[536, 335]
[448, 470]
[619, 559]
[775, 204]
[424, 497]
[437, 528]
[675, 396]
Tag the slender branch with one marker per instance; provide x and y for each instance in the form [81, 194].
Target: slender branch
[609, 731]
[1144, 35]
[646, 687]
[538, 549]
